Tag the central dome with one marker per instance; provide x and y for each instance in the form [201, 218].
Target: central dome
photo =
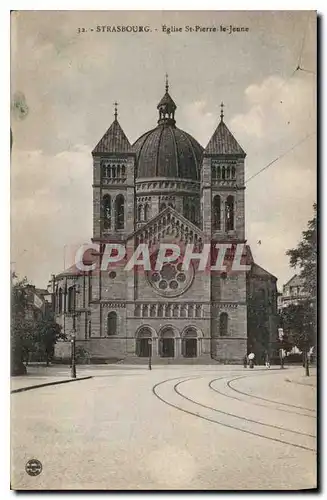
[167, 151]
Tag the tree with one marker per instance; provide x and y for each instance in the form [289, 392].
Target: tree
[299, 325]
[30, 333]
[21, 327]
[304, 256]
[47, 333]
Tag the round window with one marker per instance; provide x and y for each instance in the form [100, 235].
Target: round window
[171, 280]
[112, 275]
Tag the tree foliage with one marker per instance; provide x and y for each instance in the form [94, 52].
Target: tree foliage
[304, 256]
[298, 322]
[29, 334]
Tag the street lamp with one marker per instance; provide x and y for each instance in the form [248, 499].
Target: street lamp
[281, 350]
[150, 352]
[73, 339]
[73, 354]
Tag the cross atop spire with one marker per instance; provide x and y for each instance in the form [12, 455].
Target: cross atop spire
[167, 84]
[222, 105]
[116, 112]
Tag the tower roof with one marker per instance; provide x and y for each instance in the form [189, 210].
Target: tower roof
[223, 142]
[114, 140]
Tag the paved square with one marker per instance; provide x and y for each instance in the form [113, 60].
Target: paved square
[175, 427]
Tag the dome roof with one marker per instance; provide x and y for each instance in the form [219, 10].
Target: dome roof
[167, 151]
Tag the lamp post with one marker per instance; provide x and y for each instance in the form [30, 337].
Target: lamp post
[73, 339]
[150, 352]
[73, 352]
[281, 351]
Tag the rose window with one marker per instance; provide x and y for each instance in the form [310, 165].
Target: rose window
[171, 280]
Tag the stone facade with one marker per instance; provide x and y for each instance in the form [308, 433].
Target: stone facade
[164, 189]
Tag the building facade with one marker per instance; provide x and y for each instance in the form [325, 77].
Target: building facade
[293, 293]
[165, 188]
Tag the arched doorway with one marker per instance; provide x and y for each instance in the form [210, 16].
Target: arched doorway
[190, 343]
[167, 343]
[143, 346]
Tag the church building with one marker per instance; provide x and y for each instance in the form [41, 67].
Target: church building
[167, 188]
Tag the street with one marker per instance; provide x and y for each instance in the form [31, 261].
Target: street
[174, 427]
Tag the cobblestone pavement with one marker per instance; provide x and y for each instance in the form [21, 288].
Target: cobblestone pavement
[175, 427]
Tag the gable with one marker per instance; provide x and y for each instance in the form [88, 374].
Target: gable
[261, 273]
[294, 281]
[167, 226]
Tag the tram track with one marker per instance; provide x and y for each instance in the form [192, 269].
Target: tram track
[264, 399]
[255, 403]
[155, 390]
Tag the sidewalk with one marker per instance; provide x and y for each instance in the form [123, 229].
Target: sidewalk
[41, 375]
[301, 378]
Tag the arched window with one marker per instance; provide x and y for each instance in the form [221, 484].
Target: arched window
[118, 170]
[60, 301]
[218, 172]
[183, 311]
[162, 207]
[113, 172]
[140, 212]
[104, 170]
[233, 172]
[120, 211]
[223, 173]
[160, 311]
[146, 212]
[223, 324]
[229, 213]
[71, 299]
[216, 212]
[106, 207]
[145, 311]
[227, 172]
[112, 323]
[198, 310]
[123, 171]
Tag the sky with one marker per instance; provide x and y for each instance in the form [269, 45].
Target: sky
[64, 84]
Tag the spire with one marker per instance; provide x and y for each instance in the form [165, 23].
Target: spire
[166, 108]
[116, 112]
[223, 142]
[114, 140]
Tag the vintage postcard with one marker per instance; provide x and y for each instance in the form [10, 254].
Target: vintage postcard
[163, 250]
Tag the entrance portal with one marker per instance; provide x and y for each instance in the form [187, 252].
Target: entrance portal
[190, 348]
[167, 348]
[190, 343]
[143, 342]
[145, 348]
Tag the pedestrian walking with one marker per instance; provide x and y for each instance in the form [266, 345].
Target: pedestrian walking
[267, 360]
[251, 359]
[245, 361]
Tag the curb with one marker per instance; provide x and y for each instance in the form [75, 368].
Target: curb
[30, 387]
[300, 383]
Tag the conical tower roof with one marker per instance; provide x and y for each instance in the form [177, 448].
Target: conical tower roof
[114, 140]
[223, 142]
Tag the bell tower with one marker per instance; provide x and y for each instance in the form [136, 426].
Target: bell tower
[222, 186]
[113, 185]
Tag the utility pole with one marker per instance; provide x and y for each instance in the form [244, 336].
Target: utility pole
[150, 353]
[281, 353]
[73, 339]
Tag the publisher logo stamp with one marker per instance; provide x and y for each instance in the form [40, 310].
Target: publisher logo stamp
[33, 467]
